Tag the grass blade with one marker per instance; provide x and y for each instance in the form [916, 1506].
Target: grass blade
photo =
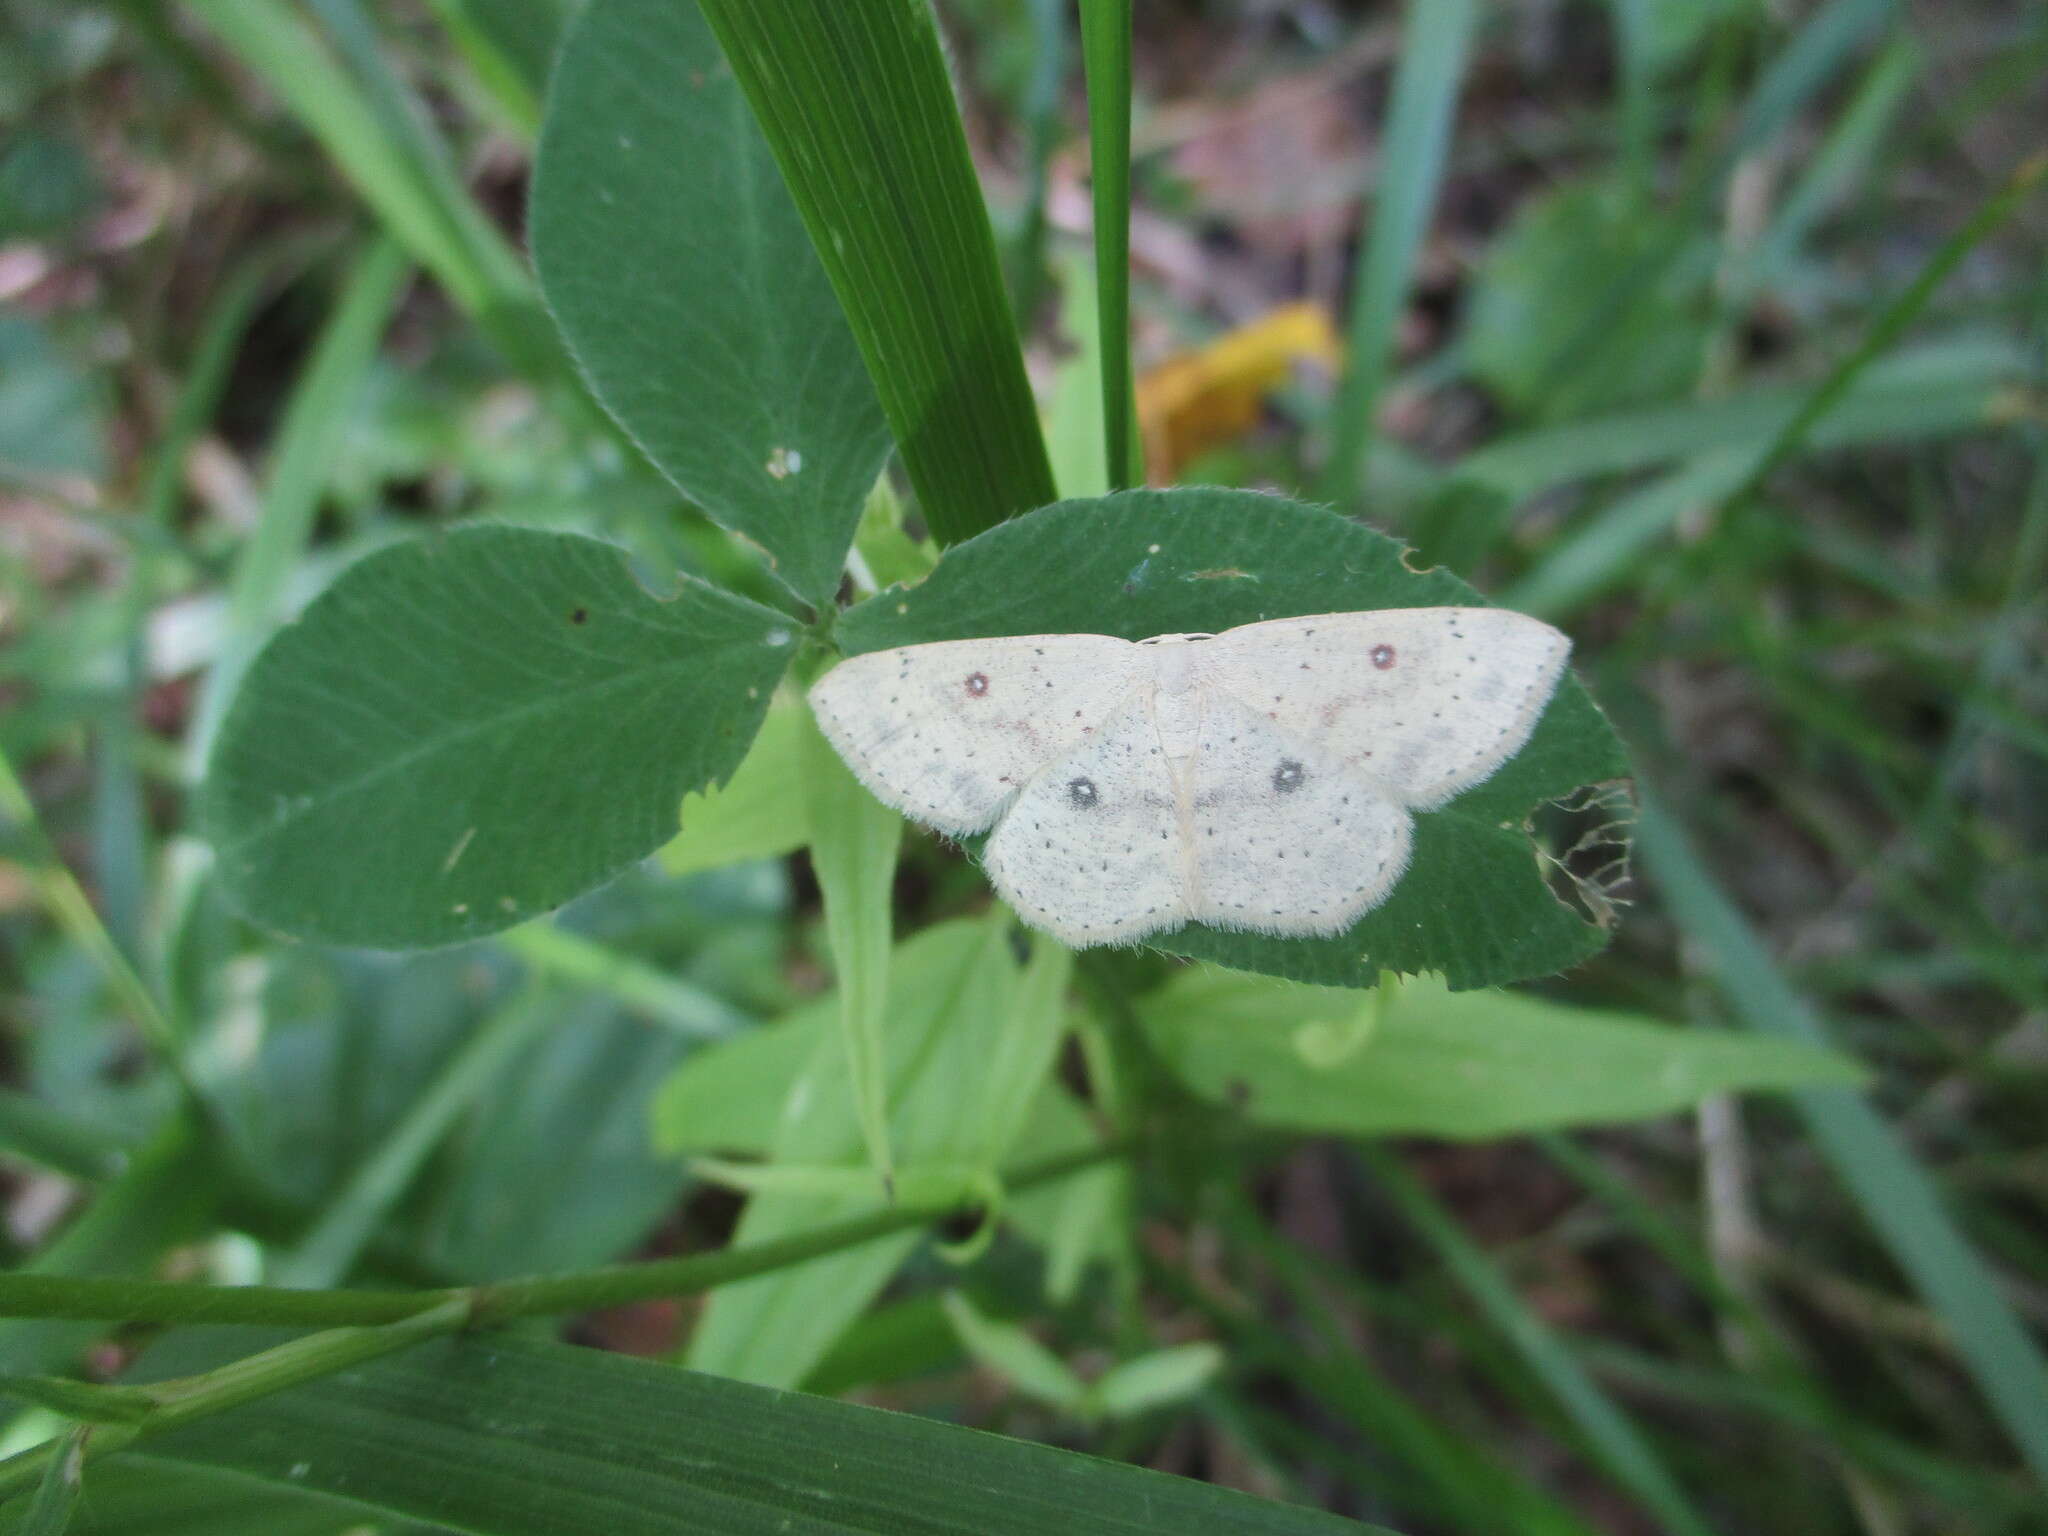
[327, 1252]
[1418, 129]
[563, 955]
[514, 1437]
[856, 102]
[1041, 110]
[1609, 1435]
[1896, 1194]
[1636, 113]
[56, 1496]
[414, 193]
[1944, 387]
[854, 843]
[1599, 554]
[1899, 314]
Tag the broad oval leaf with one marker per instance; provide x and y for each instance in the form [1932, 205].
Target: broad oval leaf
[689, 292]
[1474, 904]
[468, 730]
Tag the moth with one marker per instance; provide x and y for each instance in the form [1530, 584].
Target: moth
[1264, 778]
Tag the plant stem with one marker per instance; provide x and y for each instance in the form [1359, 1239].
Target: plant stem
[197, 1397]
[1431, 74]
[148, 1301]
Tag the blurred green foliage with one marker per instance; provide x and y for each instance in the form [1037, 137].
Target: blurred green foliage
[1473, 1262]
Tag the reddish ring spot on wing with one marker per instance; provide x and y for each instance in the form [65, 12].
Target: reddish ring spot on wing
[977, 683]
[1382, 656]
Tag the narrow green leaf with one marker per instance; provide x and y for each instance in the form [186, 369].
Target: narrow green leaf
[1898, 1197]
[76, 1146]
[1020, 1058]
[206, 1395]
[855, 100]
[61, 895]
[135, 1496]
[1601, 552]
[670, 1001]
[1041, 110]
[388, 155]
[1456, 1064]
[1610, 1436]
[1106, 57]
[1939, 389]
[1892, 321]
[328, 1251]
[1838, 168]
[1158, 1379]
[1474, 904]
[1435, 40]
[729, 1098]
[88, 1402]
[1016, 1356]
[760, 812]
[1471, 1482]
[514, 1437]
[854, 840]
[466, 731]
[1816, 53]
[1608, 333]
[1073, 416]
[510, 44]
[678, 268]
[57, 1495]
[1077, 1220]
[1636, 85]
[1550, 276]
[552, 1166]
[951, 990]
